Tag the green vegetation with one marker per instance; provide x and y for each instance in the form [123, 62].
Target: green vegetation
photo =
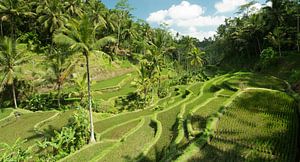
[81, 82]
[22, 127]
[145, 134]
[58, 121]
[248, 131]
[5, 113]
[68, 139]
[89, 152]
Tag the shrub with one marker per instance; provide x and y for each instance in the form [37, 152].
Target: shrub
[69, 139]
[189, 77]
[48, 101]
[163, 91]
[295, 76]
[267, 57]
[131, 102]
[15, 152]
[43, 102]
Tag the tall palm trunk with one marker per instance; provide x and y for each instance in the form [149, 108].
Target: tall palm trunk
[92, 137]
[258, 43]
[58, 94]
[279, 49]
[298, 46]
[1, 28]
[119, 33]
[14, 95]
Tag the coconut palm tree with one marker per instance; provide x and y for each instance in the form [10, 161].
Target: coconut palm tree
[80, 36]
[11, 10]
[196, 57]
[51, 16]
[11, 57]
[276, 38]
[73, 7]
[61, 67]
[96, 12]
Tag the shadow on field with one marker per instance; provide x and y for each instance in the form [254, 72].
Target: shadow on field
[155, 155]
[240, 142]
[45, 133]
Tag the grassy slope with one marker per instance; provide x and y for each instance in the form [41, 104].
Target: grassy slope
[58, 122]
[108, 82]
[200, 117]
[119, 131]
[133, 146]
[5, 113]
[109, 122]
[167, 115]
[89, 152]
[22, 127]
[120, 92]
[259, 126]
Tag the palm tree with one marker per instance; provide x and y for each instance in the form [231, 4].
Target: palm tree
[51, 15]
[10, 10]
[73, 7]
[277, 38]
[80, 36]
[11, 57]
[146, 79]
[61, 68]
[96, 12]
[196, 57]
[122, 11]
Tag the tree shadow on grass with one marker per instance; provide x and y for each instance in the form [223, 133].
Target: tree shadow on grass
[41, 135]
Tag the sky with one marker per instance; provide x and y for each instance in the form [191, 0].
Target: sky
[196, 18]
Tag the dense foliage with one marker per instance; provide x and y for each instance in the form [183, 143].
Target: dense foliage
[70, 138]
[47, 29]
[241, 41]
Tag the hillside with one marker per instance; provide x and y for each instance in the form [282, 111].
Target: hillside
[223, 114]
[157, 81]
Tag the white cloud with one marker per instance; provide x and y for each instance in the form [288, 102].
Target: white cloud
[187, 18]
[200, 34]
[158, 16]
[229, 5]
[185, 10]
[185, 14]
[202, 21]
[269, 4]
[196, 34]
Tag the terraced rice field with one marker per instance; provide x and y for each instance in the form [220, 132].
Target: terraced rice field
[5, 113]
[22, 127]
[264, 130]
[227, 117]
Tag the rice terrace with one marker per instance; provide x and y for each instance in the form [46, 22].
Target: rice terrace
[128, 80]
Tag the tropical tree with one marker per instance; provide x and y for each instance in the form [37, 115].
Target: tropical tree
[146, 79]
[196, 57]
[12, 56]
[11, 10]
[51, 16]
[73, 7]
[276, 37]
[122, 11]
[61, 67]
[80, 36]
[96, 12]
